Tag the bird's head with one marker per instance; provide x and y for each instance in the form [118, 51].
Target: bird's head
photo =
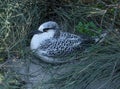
[46, 27]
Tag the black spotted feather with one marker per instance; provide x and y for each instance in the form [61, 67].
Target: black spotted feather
[65, 45]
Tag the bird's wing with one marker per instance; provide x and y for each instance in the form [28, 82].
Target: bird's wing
[67, 44]
[62, 47]
[66, 47]
[86, 41]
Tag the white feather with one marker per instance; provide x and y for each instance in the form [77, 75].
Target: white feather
[37, 39]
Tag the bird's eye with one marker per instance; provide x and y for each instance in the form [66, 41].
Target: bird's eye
[45, 29]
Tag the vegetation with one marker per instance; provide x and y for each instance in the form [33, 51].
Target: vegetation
[88, 29]
[90, 17]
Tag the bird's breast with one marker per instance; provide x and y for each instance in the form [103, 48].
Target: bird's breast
[39, 39]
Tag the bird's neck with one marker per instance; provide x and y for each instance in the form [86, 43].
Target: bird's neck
[57, 34]
[38, 39]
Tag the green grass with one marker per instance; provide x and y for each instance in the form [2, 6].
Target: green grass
[19, 17]
[89, 29]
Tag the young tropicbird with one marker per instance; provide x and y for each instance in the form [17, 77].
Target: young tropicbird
[52, 45]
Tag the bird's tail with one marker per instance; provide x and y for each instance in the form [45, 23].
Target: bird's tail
[100, 38]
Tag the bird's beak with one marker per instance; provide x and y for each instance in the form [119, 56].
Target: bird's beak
[35, 32]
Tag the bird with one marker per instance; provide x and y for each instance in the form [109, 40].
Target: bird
[50, 44]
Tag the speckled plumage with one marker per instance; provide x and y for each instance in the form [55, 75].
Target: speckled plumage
[62, 47]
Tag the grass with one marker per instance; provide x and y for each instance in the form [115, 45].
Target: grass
[101, 63]
[18, 18]
[89, 29]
